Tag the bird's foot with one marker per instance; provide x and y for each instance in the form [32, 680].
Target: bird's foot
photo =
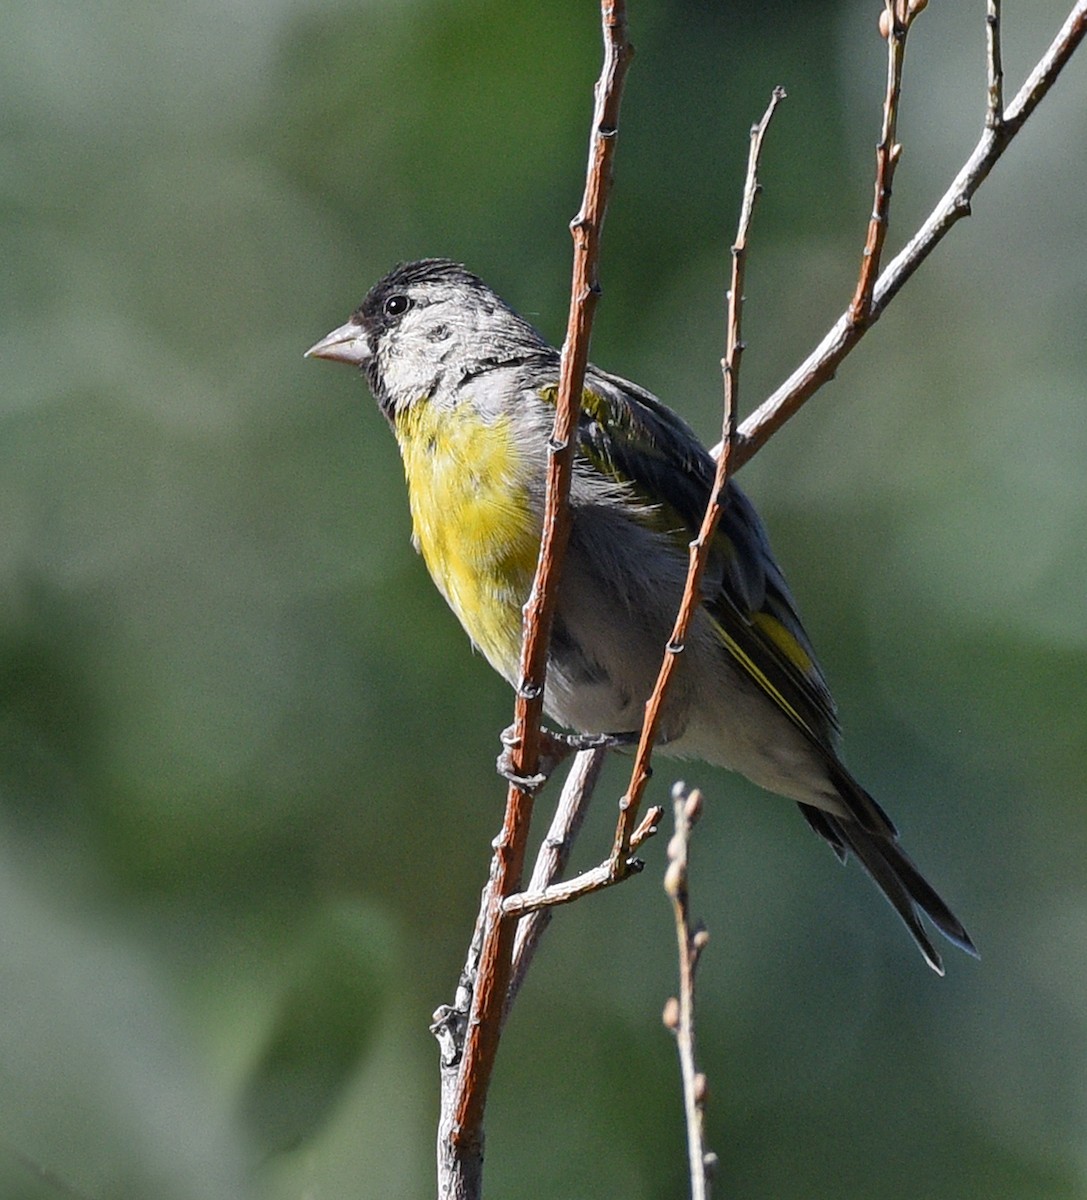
[554, 749]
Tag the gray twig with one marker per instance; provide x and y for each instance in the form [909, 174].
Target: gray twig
[679, 1012]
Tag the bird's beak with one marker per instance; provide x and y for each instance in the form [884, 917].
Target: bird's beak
[348, 344]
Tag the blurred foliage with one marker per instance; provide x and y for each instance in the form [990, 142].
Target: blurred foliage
[325, 1025]
[246, 784]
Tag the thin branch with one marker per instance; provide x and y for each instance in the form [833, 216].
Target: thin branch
[895, 24]
[820, 366]
[700, 547]
[460, 1144]
[679, 1013]
[994, 111]
[596, 879]
[449, 1025]
[630, 834]
[553, 856]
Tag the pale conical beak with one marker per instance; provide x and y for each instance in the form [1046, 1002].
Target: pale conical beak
[348, 344]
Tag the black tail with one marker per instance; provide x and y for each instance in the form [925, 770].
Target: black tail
[898, 879]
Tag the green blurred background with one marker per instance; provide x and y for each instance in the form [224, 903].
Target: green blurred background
[247, 787]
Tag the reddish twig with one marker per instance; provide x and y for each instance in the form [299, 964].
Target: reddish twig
[679, 1012]
[460, 1144]
[700, 547]
[895, 24]
[629, 833]
[820, 366]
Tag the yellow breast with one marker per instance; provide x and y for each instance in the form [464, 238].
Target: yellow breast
[472, 519]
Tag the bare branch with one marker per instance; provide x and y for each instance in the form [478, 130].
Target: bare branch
[820, 366]
[553, 857]
[994, 114]
[895, 24]
[461, 1176]
[679, 1013]
[700, 547]
[460, 1145]
[596, 879]
[586, 229]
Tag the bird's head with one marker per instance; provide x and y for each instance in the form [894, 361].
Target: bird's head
[424, 329]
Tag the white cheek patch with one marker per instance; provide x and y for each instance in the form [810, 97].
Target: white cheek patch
[407, 369]
[398, 374]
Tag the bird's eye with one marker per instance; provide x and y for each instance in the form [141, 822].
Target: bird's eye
[395, 305]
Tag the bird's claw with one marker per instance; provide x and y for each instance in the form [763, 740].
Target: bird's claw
[554, 748]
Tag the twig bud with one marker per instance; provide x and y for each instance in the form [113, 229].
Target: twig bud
[670, 1016]
[648, 827]
[692, 810]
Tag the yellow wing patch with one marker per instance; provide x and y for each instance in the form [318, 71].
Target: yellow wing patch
[758, 675]
[784, 641]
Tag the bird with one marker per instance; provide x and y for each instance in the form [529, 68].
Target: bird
[469, 388]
